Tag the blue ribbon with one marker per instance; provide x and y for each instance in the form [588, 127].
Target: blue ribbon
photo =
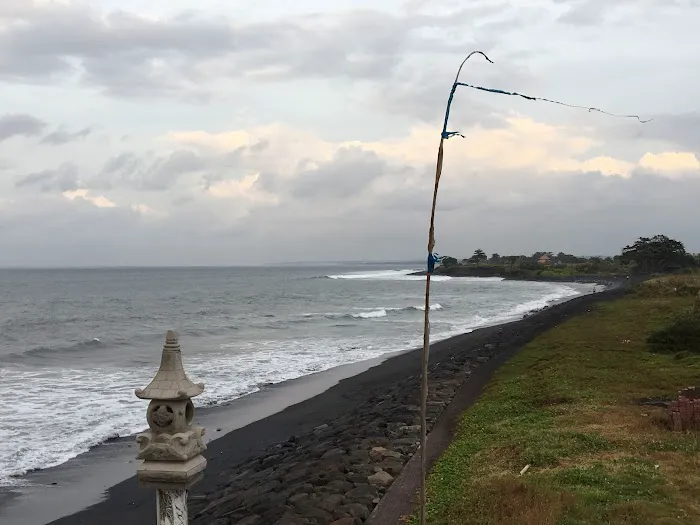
[433, 259]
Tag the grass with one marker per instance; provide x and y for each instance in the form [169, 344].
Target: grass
[568, 406]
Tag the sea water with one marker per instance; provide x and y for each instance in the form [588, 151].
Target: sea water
[74, 344]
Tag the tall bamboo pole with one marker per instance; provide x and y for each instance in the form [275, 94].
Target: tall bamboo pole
[426, 326]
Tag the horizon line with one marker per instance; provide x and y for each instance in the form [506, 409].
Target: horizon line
[205, 266]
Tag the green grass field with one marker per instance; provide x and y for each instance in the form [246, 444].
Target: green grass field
[569, 406]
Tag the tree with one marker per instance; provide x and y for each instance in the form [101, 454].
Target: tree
[656, 254]
[567, 258]
[511, 260]
[448, 261]
[495, 258]
[479, 255]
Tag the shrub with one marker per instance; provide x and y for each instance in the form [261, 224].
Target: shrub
[682, 335]
[671, 286]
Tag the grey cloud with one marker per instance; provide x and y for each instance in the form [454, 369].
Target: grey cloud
[585, 213]
[585, 13]
[63, 178]
[148, 172]
[351, 171]
[424, 94]
[12, 125]
[61, 136]
[682, 130]
[129, 55]
[594, 12]
[503, 212]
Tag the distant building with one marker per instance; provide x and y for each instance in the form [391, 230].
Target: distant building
[544, 260]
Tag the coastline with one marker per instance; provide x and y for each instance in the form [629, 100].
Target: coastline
[265, 421]
[82, 481]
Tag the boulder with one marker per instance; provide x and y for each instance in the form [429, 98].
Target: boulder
[380, 479]
[380, 453]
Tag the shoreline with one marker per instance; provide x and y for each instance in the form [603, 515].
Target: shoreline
[249, 411]
[82, 481]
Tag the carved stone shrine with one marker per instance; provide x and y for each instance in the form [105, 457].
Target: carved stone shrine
[171, 447]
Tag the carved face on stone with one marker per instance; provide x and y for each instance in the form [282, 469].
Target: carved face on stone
[170, 417]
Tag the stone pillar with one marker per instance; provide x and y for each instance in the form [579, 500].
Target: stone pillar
[171, 447]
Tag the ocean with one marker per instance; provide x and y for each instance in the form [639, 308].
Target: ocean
[74, 344]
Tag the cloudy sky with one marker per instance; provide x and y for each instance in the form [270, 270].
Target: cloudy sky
[230, 132]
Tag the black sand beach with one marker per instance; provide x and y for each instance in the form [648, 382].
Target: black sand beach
[315, 461]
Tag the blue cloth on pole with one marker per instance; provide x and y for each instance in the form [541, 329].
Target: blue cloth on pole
[433, 259]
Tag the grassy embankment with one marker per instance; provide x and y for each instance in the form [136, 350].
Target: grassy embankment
[569, 406]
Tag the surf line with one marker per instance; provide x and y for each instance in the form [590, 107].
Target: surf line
[434, 258]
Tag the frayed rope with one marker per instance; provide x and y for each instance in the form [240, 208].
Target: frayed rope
[448, 134]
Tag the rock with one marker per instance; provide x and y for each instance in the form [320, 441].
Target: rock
[271, 460]
[292, 519]
[482, 358]
[379, 453]
[356, 510]
[410, 430]
[331, 502]
[362, 493]
[406, 441]
[333, 453]
[264, 502]
[380, 479]
[357, 479]
[250, 520]
[393, 467]
[319, 516]
[296, 498]
[320, 428]
[344, 521]
[301, 488]
[273, 514]
[297, 474]
[340, 485]
[359, 455]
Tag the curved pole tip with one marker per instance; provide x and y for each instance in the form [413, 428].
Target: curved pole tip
[468, 57]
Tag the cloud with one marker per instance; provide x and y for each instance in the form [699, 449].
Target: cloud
[680, 129]
[671, 161]
[131, 55]
[99, 201]
[585, 13]
[12, 125]
[278, 133]
[350, 173]
[61, 136]
[62, 179]
[149, 172]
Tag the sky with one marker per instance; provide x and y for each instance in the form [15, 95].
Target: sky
[224, 132]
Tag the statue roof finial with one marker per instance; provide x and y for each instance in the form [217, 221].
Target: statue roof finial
[170, 381]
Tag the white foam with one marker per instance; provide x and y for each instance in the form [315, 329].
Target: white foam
[433, 307]
[371, 314]
[62, 413]
[59, 413]
[389, 275]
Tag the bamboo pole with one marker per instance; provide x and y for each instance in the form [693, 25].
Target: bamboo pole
[426, 324]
